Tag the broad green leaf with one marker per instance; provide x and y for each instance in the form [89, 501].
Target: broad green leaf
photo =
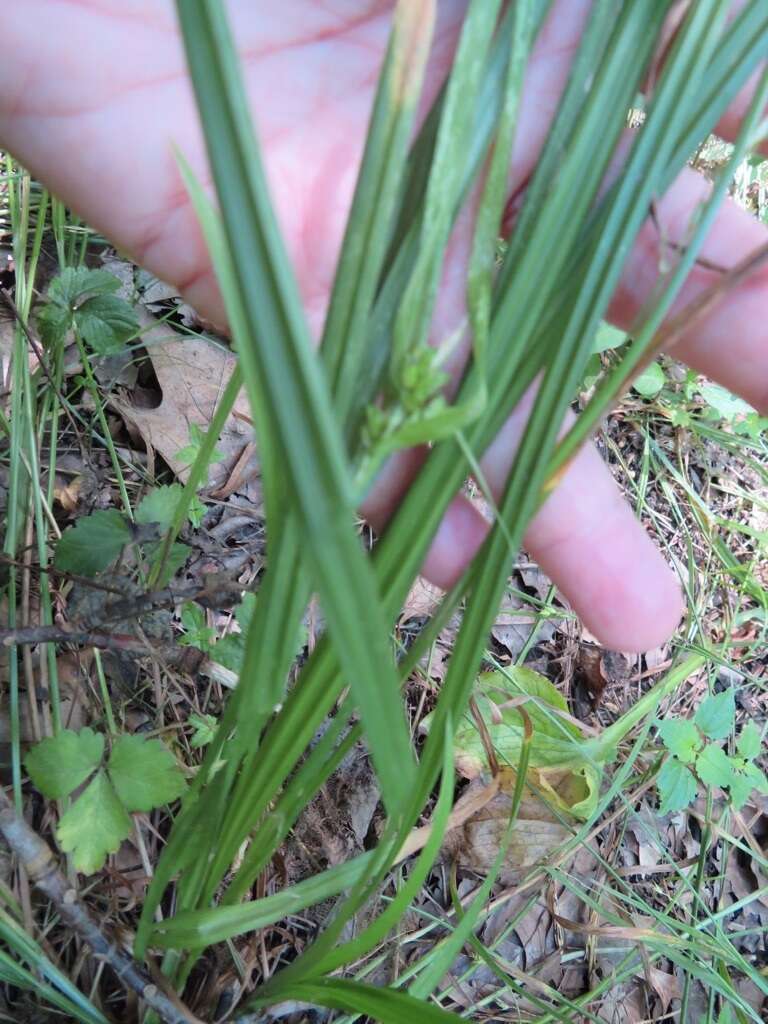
[175, 558]
[93, 543]
[715, 715]
[388, 1005]
[608, 337]
[94, 825]
[714, 767]
[76, 283]
[740, 788]
[677, 786]
[159, 505]
[59, 764]
[555, 740]
[105, 323]
[681, 738]
[144, 773]
[749, 743]
[291, 401]
[757, 777]
[725, 404]
[53, 322]
[650, 382]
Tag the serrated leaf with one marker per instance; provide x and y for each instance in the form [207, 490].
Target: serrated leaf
[681, 738]
[159, 505]
[94, 825]
[714, 767]
[105, 323]
[757, 778]
[740, 788]
[75, 283]
[59, 764]
[93, 543]
[650, 382]
[676, 784]
[53, 322]
[715, 715]
[204, 730]
[749, 742]
[144, 773]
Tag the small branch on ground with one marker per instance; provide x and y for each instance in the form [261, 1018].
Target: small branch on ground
[40, 864]
[28, 635]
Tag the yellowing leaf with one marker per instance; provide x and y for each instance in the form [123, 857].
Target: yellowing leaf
[94, 825]
[555, 739]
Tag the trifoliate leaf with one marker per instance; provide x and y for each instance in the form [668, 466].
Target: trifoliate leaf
[159, 505]
[59, 764]
[676, 784]
[144, 773]
[750, 741]
[93, 543]
[105, 323]
[94, 825]
[681, 738]
[715, 715]
[204, 727]
[714, 767]
[650, 382]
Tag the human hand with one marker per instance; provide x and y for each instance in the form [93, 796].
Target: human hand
[93, 97]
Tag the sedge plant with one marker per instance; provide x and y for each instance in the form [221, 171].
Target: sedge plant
[325, 420]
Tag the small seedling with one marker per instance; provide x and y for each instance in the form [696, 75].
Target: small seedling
[196, 631]
[204, 727]
[139, 774]
[190, 451]
[696, 755]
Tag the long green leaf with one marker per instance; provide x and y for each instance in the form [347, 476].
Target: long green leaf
[280, 368]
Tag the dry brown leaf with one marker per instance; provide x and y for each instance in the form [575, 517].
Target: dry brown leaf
[192, 374]
[536, 833]
[423, 598]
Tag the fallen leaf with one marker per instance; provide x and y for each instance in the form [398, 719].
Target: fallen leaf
[423, 598]
[192, 374]
[535, 834]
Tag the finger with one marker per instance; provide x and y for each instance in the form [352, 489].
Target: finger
[730, 344]
[586, 538]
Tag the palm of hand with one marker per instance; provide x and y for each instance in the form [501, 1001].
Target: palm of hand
[93, 97]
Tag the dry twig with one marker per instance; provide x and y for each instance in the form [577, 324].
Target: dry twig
[40, 865]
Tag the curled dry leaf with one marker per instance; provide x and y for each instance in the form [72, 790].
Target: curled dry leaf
[192, 374]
